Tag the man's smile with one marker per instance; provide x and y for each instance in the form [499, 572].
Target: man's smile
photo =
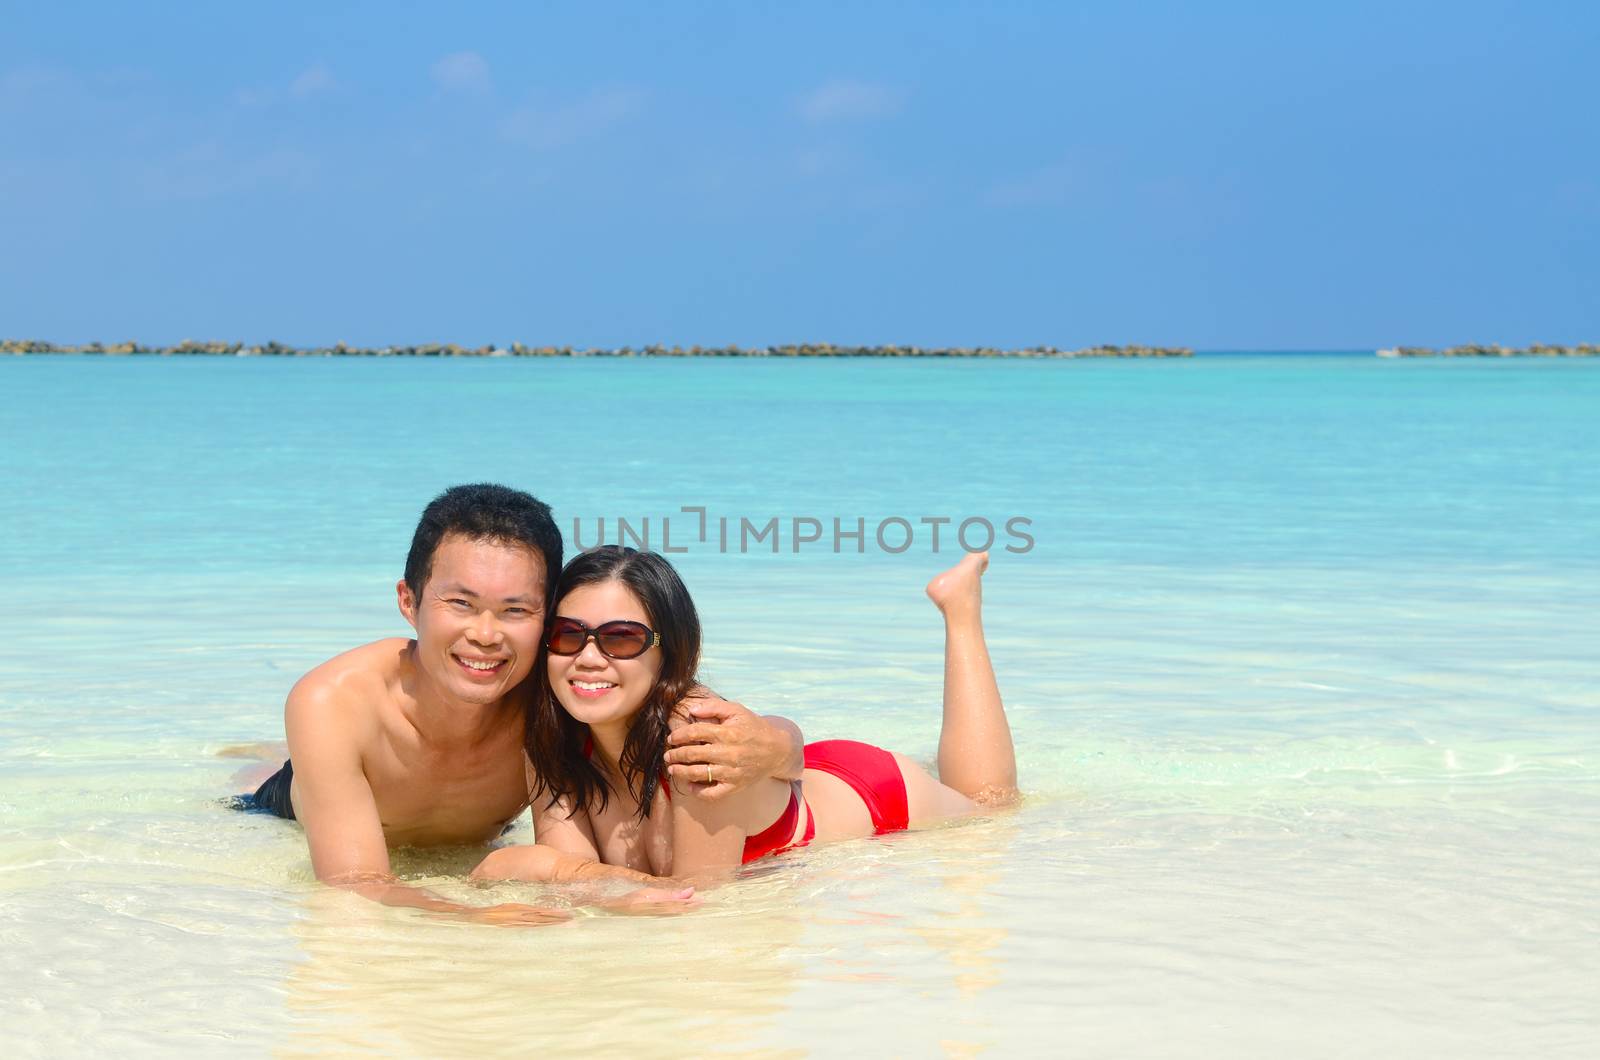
[480, 669]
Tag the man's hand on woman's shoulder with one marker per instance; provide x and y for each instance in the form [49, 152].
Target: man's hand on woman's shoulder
[724, 747]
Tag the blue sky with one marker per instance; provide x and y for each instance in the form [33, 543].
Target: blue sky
[1218, 175]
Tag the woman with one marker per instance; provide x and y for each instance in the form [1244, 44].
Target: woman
[622, 649]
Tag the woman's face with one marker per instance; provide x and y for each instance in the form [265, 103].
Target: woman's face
[594, 688]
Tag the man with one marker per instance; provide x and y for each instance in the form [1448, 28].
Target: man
[419, 742]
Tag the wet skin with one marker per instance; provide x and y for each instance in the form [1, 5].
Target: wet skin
[419, 742]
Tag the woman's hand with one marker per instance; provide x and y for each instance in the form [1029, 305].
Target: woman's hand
[654, 901]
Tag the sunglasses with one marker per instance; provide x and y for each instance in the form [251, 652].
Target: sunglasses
[616, 640]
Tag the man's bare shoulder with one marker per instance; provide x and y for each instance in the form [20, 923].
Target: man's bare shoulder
[351, 687]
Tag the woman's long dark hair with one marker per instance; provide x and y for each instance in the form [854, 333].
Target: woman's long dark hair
[555, 739]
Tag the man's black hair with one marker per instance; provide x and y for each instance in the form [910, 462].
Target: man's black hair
[484, 511]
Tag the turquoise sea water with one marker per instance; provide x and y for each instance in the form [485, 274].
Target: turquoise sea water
[1303, 666]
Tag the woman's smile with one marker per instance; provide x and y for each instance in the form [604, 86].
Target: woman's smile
[594, 687]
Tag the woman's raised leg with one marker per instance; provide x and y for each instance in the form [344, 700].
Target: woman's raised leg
[976, 757]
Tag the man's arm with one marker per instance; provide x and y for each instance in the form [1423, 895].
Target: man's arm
[739, 745]
[332, 800]
[334, 804]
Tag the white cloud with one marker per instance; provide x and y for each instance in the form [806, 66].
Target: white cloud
[305, 84]
[208, 170]
[311, 81]
[1051, 185]
[29, 86]
[461, 72]
[845, 100]
[548, 126]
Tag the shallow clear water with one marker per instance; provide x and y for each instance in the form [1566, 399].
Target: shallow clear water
[1302, 667]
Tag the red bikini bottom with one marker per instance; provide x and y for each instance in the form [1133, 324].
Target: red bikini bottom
[873, 774]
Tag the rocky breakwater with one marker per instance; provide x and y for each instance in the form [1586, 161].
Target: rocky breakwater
[190, 348]
[1583, 349]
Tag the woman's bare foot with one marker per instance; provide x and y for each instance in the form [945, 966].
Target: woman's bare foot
[958, 592]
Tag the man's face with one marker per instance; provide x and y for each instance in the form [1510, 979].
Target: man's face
[479, 618]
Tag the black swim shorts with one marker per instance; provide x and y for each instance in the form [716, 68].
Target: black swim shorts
[272, 796]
